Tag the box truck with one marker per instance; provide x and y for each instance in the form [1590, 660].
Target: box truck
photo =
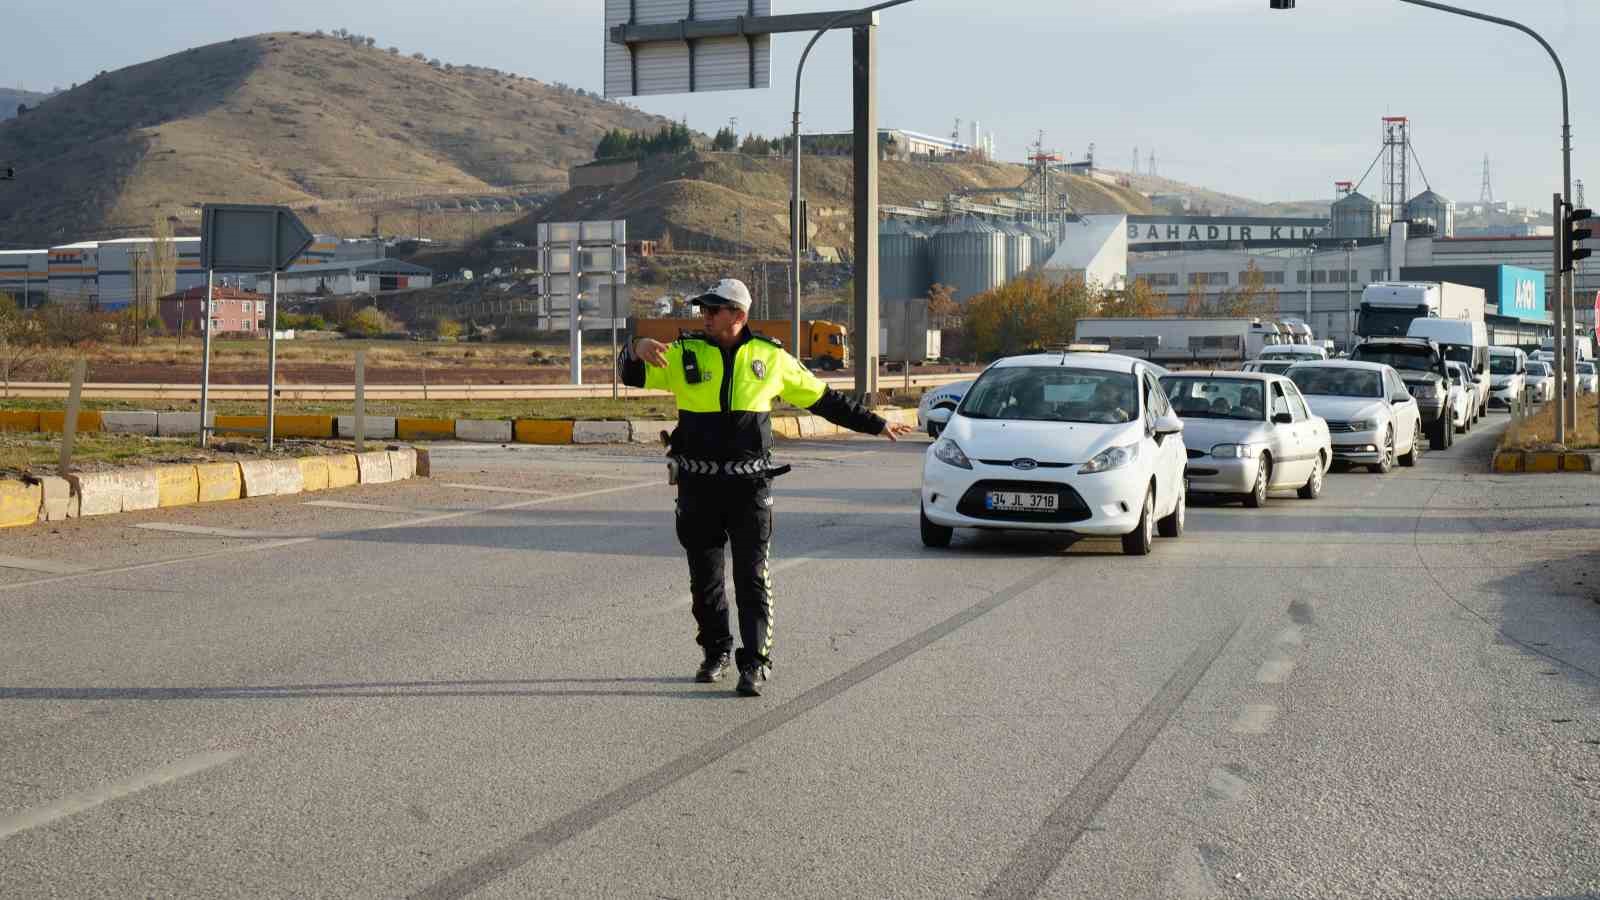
[1174, 339]
[1388, 307]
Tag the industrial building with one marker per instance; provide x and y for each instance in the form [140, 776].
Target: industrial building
[356, 276]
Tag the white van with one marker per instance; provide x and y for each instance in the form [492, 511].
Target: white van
[1508, 372]
[1462, 340]
[1296, 352]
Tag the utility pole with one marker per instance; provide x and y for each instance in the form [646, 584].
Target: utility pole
[1349, 324]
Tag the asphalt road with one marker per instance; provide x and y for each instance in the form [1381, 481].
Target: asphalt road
[437, 690]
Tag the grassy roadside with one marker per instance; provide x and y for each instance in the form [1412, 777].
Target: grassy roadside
[1538, 431]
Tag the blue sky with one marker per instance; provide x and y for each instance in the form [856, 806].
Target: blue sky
[1229, 95]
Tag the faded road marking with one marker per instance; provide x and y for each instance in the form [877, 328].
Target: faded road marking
[1275, 670]
[1256, 718]
[1224, 784]
[1291, 636]
[364, 507]
[72, 804]
[38, 565]
[496, 489]
[206, 530]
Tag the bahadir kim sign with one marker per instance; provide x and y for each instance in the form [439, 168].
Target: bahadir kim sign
[1227, 229]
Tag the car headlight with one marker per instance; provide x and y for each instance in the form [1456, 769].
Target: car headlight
[1110, 458]
[1234, 451]
[1364, 425]
[949, 453]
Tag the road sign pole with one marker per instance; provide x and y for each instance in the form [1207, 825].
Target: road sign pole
[205, 355]
[272, 360]
[864, 66]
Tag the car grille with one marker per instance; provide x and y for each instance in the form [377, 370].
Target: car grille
[1335, 427]
[1040, 464]
[1069, 505]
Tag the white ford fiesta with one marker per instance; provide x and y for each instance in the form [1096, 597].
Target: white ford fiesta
[1081, 443]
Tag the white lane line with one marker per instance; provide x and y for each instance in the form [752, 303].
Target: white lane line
[663, 465]
[1275, 671]
[1256, 718]
[206, 530]
[72, 804]
[1291, 636]
[367, 507]
[1224, 785]
[38, 565]
[496, 489]
[290, 542]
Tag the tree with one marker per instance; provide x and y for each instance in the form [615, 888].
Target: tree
[448, 328]
[156, 272]
[371, 321]
[1250, 298]
[1028, 313]
[394, 51]
[21, 344]
[725, 140]
[942, 305]
[1137, 301]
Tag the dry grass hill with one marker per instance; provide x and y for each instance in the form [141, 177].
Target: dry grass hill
[10, 97]
[696, 198]
[298, 119]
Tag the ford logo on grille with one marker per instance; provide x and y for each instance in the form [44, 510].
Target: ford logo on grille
[1024, 464]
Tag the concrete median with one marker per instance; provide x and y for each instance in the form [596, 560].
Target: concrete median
[377, 428]
[601, 433]
[271, 477]
[219, 481]
[104, 493]
[19, 503]
[128, 422]
[177, 486]
[375, 467]
[484, 431]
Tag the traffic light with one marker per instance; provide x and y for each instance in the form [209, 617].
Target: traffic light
[1572, 235]
[1282, 4]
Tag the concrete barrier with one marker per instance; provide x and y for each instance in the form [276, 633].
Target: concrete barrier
[19, 503]
[271, 477]
[128, 422]
[19, 420]
[313, 473]
[1541, 462]
[253, 425]
[302, 426]
[171, 424]
[128, 490]
[402, 464]
[543, 431]
[88, 420]
[342, 471]
[1577, 462]
[601, 433]
[377, 428]
[219, 481]
[177, 486]
[648, 431]
[424, 429]
[786, 426]
[375, 467]
[59, 500]
[484, 431]
[1508, 461]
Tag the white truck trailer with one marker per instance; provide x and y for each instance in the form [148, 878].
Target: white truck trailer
[1388, 307]
[1176, 339]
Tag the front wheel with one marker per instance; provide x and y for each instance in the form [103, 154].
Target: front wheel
[1385, 465]
[1257, 497]
[1312, 489]
[1139, 541]
[934, 534]
[1410, 457]
[1171, 525]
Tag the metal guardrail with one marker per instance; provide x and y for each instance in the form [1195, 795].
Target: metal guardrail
[386, 392]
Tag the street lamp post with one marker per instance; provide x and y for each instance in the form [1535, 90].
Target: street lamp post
[1566, 367]
[1311, 251]
[795, 224]
[1349, 323]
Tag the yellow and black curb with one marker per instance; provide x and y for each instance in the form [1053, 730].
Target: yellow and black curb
[402, 428]
[1507, 462]
[51, 499]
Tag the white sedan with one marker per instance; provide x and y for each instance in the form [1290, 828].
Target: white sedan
[1248, 434]
[938, 403]
[1541, 381]
[1588, 379]
[1372, 417]
[1076, 443]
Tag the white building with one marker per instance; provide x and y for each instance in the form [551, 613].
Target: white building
[1094, 249]
[370, 276]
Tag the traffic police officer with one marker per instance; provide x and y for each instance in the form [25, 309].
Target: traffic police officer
[725, 379]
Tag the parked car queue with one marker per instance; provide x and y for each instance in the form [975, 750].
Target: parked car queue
[1100, 444]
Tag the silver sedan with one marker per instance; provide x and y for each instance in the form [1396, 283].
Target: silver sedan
[1249, 433]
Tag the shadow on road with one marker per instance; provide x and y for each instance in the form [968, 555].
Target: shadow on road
[521, 687]
[1551, 610]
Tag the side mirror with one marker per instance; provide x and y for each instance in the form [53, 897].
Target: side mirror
[1283, 418]
[1400, 398]
[940, 415]
[1169, 424]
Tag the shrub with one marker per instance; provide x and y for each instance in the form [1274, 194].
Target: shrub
[370, 322]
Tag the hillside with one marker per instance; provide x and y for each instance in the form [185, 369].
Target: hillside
[696, 198]
[297, 119]
[10, 97]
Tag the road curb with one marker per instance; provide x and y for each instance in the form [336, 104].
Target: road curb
[1544, 462]
[48, 499]
[517, 431]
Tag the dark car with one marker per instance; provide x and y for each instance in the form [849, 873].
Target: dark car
[1421, 364]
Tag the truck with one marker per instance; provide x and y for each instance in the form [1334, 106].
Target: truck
[824, 344]
[1175, 339]
[899, 318]
[1387, 307]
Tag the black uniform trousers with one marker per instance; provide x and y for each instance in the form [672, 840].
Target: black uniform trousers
[714, 511]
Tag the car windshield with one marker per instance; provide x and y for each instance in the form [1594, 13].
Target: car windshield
[1459, 352]
[1053, 394]
[1413, 358]
[1586, 368]
[1331, 381]
[1216, 398]
[1501, 364]
[1297, 355]
[1538, 368]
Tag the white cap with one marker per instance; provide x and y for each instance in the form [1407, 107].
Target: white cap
[727, 292]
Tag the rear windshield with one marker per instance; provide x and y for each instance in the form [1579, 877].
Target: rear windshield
[1216, 398]
[1538, 368]
[1401, 357]
[1328, 381]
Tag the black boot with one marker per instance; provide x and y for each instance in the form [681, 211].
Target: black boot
[714, 667]
[752, 679]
